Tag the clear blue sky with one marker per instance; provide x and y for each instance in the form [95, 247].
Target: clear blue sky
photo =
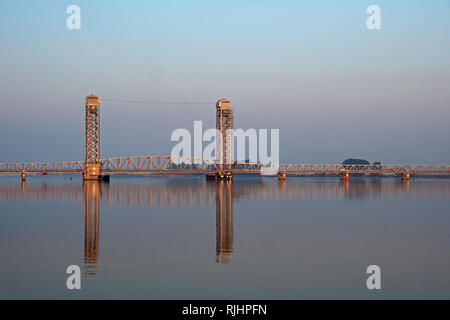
[310, 68]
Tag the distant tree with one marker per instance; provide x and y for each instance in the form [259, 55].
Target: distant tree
[355, 161]
[376, 165]
[351, 164]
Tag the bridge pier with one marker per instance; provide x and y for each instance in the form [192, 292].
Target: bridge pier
[224, 176]
[220, 176]
[345, 176]
[281, 176]
[92, 172]
[404, 176]
[23, 175]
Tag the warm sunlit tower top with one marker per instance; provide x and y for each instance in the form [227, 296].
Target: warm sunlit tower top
[223, 104]
[92, 101]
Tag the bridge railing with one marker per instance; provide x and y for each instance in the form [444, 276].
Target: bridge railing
[191, 164]
[158, 164]
[361, 168]
[70, 166]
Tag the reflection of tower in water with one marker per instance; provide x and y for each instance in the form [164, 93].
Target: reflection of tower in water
[224, 221]
[91, 216]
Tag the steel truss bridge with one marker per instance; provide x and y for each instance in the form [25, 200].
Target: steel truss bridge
[168, 164]
[93, 167]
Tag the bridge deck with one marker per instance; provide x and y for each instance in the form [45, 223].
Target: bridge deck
[167, 164]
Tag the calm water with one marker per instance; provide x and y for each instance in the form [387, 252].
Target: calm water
[184, 238]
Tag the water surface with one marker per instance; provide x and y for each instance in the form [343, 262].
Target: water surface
[186, 238]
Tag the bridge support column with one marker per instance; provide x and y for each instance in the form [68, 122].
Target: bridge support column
[23, 175]
[224, 176]
[345, 176]
[281, 176]
[405, 176]
[92, 139]
[224, 143]
[92, 172]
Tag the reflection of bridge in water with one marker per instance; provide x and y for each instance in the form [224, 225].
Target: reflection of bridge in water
[224, 221]
[94, 194]
[167, 193]
[91, 225]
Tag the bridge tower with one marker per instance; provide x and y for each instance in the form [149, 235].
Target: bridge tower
[224, 142]
[92, 139]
